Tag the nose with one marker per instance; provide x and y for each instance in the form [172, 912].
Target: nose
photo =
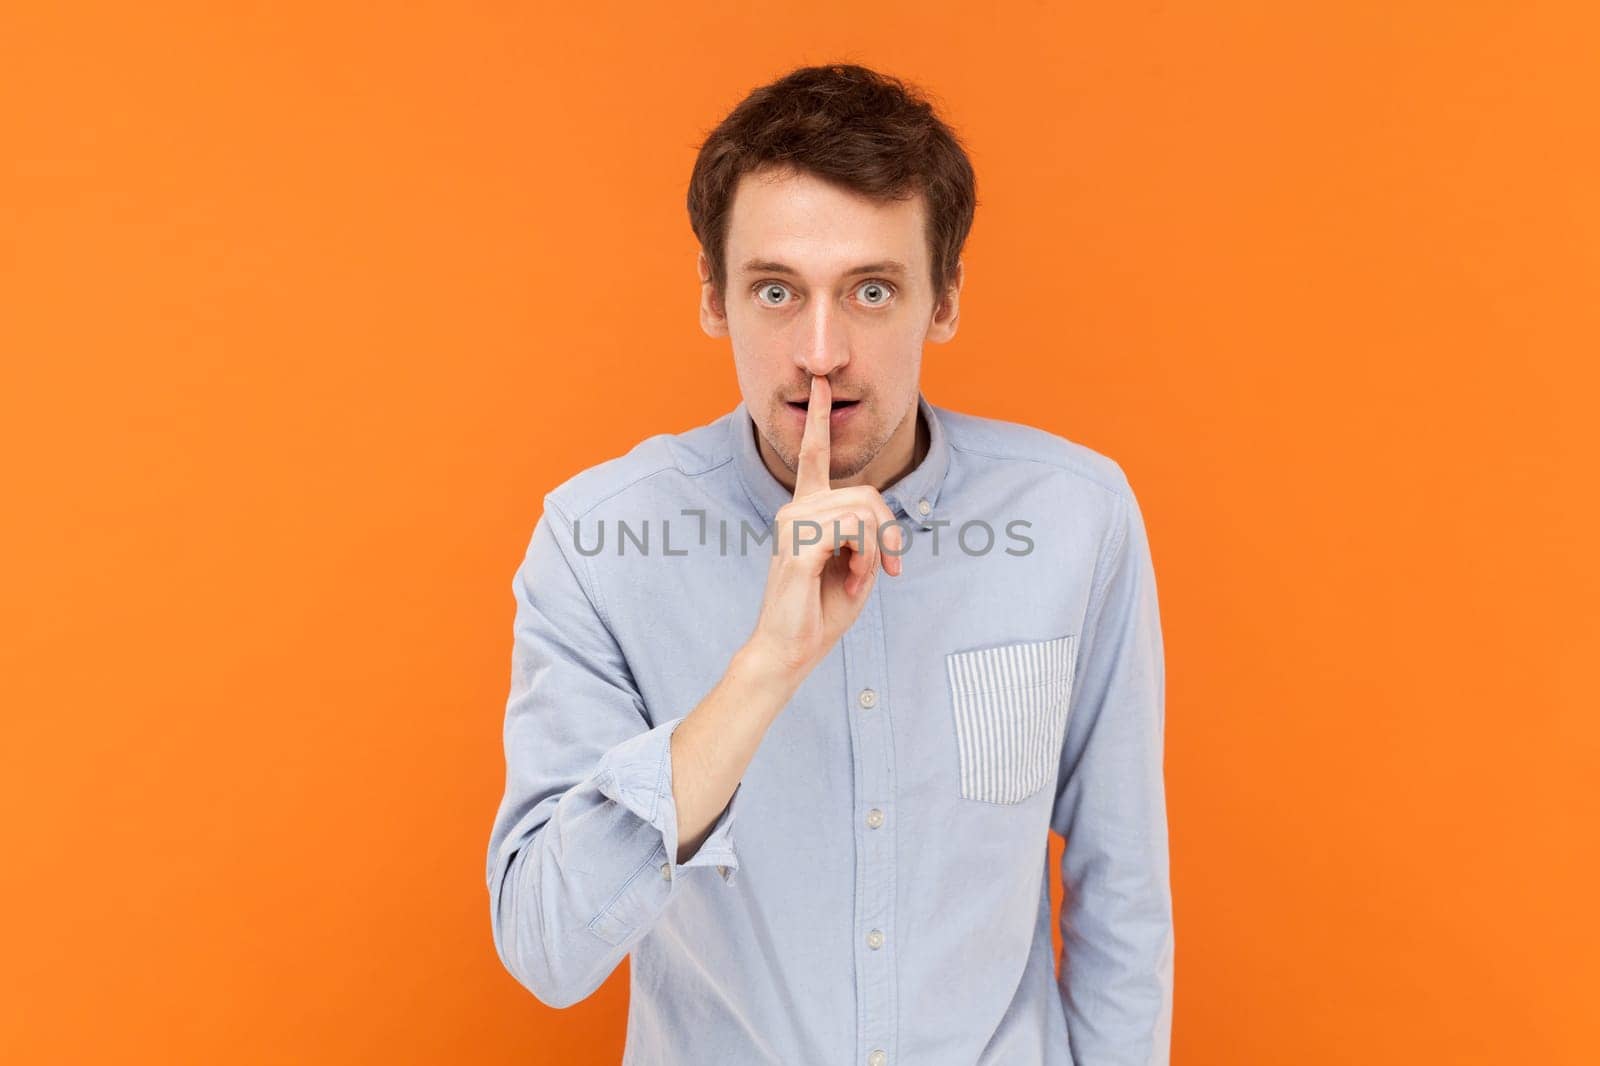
[824, 344]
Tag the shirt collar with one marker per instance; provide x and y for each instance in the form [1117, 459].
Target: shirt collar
[915, 495]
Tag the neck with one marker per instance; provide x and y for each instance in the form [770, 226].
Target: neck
[919, 448]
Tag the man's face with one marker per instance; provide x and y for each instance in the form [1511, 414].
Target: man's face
[822, 281]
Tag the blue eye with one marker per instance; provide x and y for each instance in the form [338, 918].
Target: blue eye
[878, 293]
[882, 290]
[769, 286]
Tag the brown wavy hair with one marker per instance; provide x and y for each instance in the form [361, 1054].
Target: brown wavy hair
[866, 131]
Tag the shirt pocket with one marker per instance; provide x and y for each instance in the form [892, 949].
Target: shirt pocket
[1010, 707]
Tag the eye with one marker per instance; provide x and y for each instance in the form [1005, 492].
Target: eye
[768, 287]
[878, 292]
[874, 293]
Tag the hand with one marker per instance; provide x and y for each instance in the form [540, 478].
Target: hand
[813, 594]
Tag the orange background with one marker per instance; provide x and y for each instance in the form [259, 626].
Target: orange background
[303, 310]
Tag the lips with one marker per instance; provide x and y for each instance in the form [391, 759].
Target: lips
[805, 405]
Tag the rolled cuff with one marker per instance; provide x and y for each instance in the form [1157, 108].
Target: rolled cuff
[637, 774]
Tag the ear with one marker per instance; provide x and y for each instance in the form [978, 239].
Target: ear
[713, 315]
[948, 311]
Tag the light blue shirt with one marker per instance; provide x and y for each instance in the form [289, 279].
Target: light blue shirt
[876, 891]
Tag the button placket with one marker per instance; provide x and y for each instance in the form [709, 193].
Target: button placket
[872, 749]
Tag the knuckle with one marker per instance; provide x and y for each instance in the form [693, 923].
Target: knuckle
[864, 492]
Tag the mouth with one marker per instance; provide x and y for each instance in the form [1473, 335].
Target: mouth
[840, 418]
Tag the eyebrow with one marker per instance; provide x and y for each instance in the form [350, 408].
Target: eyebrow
[772, 266]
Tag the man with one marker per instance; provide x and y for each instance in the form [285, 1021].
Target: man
[812, 800]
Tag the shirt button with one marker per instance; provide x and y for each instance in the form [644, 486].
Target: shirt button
[868, 698]
[878, 1057]
[875, 940]
[874, 818]
[666, 871]
[723, 870]
[923, 506]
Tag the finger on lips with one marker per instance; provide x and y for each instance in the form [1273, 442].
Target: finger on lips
[812, 476]
[812, 473]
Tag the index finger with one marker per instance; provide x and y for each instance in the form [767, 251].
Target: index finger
[811, 469]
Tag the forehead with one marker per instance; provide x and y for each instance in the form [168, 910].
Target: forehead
[819, 228]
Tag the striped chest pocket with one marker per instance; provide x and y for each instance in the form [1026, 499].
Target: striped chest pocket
[1010, 705]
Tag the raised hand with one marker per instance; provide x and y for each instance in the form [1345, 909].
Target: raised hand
[814, 595]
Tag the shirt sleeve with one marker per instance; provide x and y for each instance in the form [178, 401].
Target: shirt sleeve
[1116, 916]
[582, 855]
